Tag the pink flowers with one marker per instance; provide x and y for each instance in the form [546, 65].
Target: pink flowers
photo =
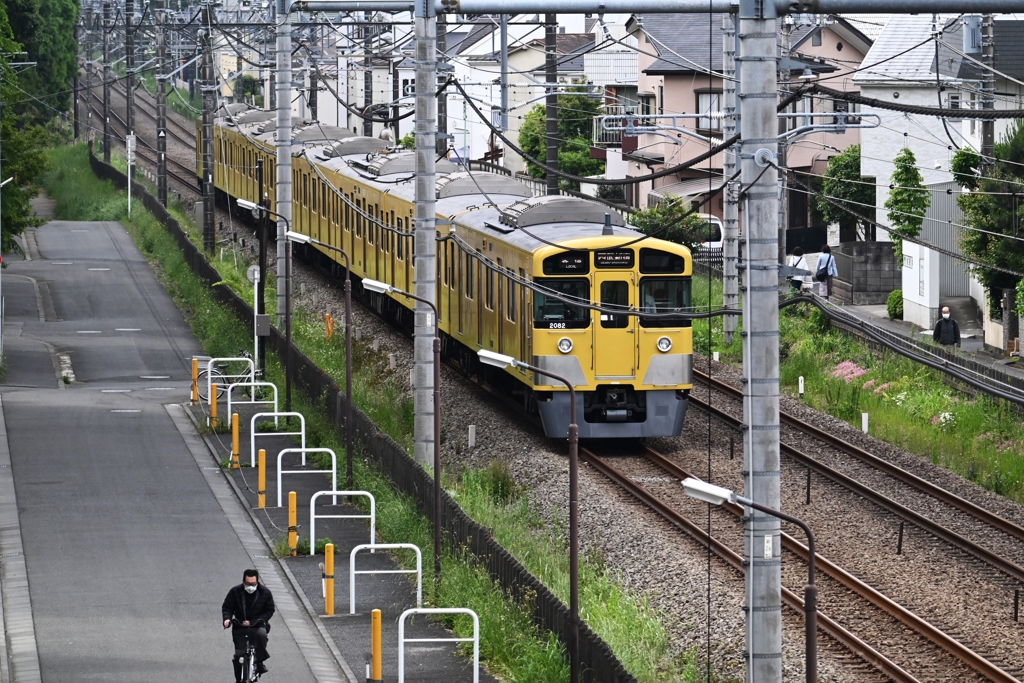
[867, 385]
[848, 371]
[881, 387]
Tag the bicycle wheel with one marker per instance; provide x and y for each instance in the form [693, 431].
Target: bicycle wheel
[251, 673]
[215, 377]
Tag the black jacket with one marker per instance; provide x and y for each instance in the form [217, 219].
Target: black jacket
[947, 332]
[237, 605]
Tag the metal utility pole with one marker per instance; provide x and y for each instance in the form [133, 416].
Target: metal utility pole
[261, 284]
[208, 87]
[730, 211]
[551, 101]
[988, 89]
[367, 75]
[129, 52]
[441, 142]
[762, 550]
[74, 113]
[106, 80]
[160, 17]
[283, 80]
[786, 38]
[504, 74]
[424, 223]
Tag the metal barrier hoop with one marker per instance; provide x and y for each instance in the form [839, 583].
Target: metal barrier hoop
[287, 451]
[275, 415]
[313, 516]
[253, 384]
[384, 546]
[402, 640]
[209, 370]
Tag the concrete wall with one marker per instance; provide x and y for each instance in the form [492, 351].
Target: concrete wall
[867, 273]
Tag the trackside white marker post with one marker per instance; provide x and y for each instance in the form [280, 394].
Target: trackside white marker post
[864, 422]
[801, 383]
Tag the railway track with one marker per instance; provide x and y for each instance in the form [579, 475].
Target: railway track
[855, 593]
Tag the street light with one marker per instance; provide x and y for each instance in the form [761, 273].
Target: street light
[499, 360]
[306, 239]
[257, 213]
[716, 495]
[384, 288]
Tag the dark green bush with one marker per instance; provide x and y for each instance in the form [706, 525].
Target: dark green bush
[894, 305]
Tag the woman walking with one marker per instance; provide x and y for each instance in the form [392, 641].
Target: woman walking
[825, 271]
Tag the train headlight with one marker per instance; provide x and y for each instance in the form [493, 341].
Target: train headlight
[664, 344]
[565, 345]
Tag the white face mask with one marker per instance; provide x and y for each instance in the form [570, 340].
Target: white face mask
[946, 316]
[250, 589]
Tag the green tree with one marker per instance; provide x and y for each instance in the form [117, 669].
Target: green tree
[575, 115]
[672, 220]
[908, 200]
[993, 209]
[22, 153]
[851, 191]
[46, 32]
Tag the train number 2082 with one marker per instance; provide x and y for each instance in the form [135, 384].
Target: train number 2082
[556, 326]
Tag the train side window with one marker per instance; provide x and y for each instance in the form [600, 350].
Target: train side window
[510, 296]
[554, 312]
[664, 295]
[488, 269]
[348, 215]
[371, 225]
[360, 205]
[252, 164]
[401, 240]
[469, 275]
[305, 190]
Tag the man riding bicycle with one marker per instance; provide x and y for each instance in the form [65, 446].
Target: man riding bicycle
[247, 609]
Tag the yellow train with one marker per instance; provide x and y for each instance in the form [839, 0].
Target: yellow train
[510, 269]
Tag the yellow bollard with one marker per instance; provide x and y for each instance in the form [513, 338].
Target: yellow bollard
[293, 529]
[329, 576]
[195, 381]
[234, 441]
[213, 406]
[261, 487]
[376, 660]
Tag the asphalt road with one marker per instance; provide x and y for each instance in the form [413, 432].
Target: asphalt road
[129, 544]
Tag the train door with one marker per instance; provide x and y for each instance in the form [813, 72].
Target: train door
[614, 334]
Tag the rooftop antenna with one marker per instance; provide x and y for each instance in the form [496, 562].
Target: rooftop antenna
[607, 225]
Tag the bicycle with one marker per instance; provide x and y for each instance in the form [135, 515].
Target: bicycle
[250, 668]
[226, 373]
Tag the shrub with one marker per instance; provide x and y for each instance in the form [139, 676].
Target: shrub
[894, 304]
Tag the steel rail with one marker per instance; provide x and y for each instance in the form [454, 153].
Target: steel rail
[852, 583]
[827, 625]
[1012, 570]
[189, 183]
[894, 609]
[990, 518]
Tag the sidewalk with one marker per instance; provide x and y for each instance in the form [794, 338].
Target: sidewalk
[391, 593]
[972, 344]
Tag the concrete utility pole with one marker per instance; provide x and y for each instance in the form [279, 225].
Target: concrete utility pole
[504, 75]
[988, 89]
[89, 25]
[129, 53]
[367, 74]
[160, 19]
[551, 101]
[442, 139]
[106, 80]
[208, 87]
[762, 549]
[730, 211]
[74, 112]
[283, 80]
[425, 225]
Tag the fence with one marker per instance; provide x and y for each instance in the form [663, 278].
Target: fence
[599, 662]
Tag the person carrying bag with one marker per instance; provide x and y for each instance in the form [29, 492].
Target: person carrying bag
[826, 271]
[798, 261]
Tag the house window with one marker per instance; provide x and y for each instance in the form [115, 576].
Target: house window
[954, 103]
[647, 106]
[661, 99]
[709, 103]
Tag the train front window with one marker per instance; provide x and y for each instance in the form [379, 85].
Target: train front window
[664, 295]
[552, 312]
[614, 296]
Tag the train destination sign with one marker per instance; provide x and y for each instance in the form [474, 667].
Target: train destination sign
[614, 258]
[567, 263]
